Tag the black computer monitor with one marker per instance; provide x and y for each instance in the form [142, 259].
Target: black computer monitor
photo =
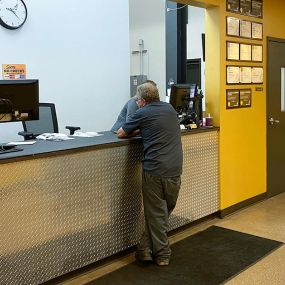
[19, 100]
[187, 102]
[182, 97]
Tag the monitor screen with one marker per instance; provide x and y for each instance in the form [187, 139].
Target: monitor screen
[19, 100]
[181, 96]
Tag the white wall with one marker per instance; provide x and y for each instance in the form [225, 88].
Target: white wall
[80, 53]
[195, 29]
[147, 22]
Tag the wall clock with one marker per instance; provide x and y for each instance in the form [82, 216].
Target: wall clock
[13, 13]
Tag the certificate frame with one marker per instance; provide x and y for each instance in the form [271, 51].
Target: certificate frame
[248, 57]
[233, 26]
[236, 77]
[245, 100]
[238, 69]
[254, 9]
[245, 7]
[254, 56]
[257, 31]
[235, 8]
[243, 79]
[230, 53]
[255, 68]
[245, 33]
[232, 99]
[256, 51]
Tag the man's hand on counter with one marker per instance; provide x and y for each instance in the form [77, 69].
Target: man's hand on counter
[122, 134]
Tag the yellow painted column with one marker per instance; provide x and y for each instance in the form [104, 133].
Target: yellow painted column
[242, 131]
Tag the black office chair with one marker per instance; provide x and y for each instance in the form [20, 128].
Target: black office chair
[47, 123]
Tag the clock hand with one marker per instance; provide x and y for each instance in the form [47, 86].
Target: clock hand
[11, 10]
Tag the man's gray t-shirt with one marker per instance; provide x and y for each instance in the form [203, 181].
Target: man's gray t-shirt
[129, 108]
[161, 137]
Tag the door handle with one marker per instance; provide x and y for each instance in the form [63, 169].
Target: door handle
[272, 121]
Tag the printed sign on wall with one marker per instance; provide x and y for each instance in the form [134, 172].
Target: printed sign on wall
[13, 71]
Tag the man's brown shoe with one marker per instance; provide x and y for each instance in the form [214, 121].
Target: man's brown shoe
[162, 261]
[143, 256]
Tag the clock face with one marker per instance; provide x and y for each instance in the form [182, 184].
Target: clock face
[13, 13]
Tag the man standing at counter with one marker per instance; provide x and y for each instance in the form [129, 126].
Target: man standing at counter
[129, 108]
[162, 168]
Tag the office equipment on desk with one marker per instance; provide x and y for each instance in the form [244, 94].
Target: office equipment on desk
[6, 148]
[47, 123]
[186, 99]
[19, 100]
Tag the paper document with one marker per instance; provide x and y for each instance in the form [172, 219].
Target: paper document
[86, 134]
[53, 137]
[21, 143]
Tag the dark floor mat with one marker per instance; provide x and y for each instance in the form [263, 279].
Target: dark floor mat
[209, 257]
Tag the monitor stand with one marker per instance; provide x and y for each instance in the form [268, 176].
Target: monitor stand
[6, 148]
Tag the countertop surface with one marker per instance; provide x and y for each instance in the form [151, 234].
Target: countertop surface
[43, 148]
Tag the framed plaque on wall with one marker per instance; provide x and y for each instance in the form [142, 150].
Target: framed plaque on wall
[233, 5]
[232, 98]
[232, 51]
[256, 31]
[245, 98]
[257, 75]
[256, 8]
[245, 29]
[245, 7]
[245, 74]
[233, 74]
[257, 53]
[245, 52]
[233, 26]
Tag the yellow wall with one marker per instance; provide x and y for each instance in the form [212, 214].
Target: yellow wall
[242, 131]
[242, 135]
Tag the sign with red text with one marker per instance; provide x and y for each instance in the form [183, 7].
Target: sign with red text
[13, 71]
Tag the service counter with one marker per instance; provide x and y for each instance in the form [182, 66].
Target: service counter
[71, 203]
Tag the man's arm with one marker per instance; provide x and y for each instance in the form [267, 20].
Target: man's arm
[122, 134]
[130, 128]
[131, 108]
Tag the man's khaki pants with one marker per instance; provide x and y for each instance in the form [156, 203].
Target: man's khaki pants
[159, 198]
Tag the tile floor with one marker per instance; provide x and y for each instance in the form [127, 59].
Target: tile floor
[264, 219]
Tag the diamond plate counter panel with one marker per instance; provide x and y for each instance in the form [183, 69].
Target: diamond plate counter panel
[63, 212]
[198, 196]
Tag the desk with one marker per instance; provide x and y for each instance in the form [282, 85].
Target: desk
[68, 204]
